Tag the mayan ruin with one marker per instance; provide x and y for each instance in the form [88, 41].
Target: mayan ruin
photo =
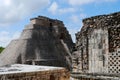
[98, 45]
[43, 42]
[46, 48]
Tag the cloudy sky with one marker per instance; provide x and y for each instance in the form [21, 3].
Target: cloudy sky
[15, 14]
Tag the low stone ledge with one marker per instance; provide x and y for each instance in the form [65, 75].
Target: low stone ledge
[95, 76]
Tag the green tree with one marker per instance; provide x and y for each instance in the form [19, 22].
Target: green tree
[1, 49]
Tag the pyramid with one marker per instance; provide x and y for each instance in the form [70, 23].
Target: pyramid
[44, 41]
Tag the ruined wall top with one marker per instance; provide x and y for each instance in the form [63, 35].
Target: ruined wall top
[104, 17]
[100, 21]
[105, 20]
[45, 21]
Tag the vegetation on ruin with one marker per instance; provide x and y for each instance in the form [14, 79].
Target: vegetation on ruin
[1, 49]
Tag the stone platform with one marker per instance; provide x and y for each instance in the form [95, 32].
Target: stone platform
[31, 72]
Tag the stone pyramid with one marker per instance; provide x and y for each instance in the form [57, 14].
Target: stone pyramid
[44, 41]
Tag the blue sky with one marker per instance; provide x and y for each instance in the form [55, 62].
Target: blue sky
[15, 14]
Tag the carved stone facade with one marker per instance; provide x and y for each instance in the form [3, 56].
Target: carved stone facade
[44, 41]
[98, 45]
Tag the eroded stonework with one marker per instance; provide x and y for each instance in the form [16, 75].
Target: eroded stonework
[33, 72]
[98, 45]
[44, 41]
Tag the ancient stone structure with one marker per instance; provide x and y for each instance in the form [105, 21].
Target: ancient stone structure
[98, 45]
[95, 76]
[44, 41]
[30, 72]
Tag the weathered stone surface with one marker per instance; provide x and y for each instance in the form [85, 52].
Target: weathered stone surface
[44, 41]
[94, 76]
[30, 72]
[98, 44]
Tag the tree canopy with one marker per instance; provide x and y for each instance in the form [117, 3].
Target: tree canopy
[1, 49]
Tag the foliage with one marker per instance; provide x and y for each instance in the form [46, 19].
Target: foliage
[1, 49]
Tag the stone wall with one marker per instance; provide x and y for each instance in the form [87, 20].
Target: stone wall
[98, 44]
[38, 75]
[94, 76]
[30, 72]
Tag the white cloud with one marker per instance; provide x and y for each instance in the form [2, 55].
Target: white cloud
[5, 37]
[54, 9]
[75, 18]
[66, 10]
[7, 2]
[12, 11]
[82, 2]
